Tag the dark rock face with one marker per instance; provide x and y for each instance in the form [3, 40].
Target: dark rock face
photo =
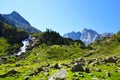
[77, 67]
[11, 33]
[56, 66]
[15, 19]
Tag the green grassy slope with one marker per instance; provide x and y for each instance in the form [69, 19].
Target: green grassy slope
[102, 59]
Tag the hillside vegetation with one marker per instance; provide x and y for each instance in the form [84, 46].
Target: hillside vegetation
[10, 39]
[56, 58]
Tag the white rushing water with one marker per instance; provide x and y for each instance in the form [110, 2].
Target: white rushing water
[26, 43]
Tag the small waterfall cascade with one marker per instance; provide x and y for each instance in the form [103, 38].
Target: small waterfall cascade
[26, 44]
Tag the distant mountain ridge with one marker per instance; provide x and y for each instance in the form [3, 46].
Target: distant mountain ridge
[87, 36]
[15, 19]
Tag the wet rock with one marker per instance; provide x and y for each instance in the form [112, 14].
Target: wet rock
[77, 67]
[60, 75]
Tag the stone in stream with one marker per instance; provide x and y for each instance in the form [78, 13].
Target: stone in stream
[60, 75]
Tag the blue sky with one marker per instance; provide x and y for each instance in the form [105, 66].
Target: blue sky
[67, 15]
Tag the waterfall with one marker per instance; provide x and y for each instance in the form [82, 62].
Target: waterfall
[26, 44]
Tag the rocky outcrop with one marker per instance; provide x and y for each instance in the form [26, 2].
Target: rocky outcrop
[77, 67]
[87, 36]
[73, 35]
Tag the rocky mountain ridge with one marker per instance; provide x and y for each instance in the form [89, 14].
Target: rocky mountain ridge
[15, 19]
[87, 35]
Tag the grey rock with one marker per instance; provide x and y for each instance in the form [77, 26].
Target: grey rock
[87, 36]
[77, 67]
[60, 75]
[73, 35]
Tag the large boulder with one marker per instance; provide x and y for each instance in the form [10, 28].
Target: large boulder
[60, 75]
[77, 67]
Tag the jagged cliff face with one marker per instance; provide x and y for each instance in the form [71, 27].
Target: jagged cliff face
[87, 36]
[73, 35]
[15, 19]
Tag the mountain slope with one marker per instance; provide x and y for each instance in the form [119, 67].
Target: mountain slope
[15, 19]
[10, 39]
[44, 60]
[73, 35]
[87, 36]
